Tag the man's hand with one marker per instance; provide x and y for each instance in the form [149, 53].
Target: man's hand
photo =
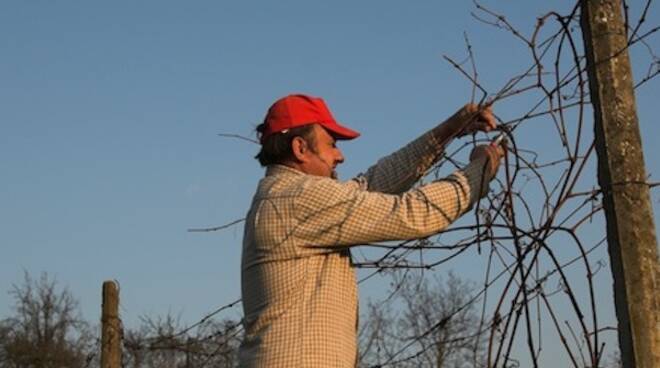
[477, 119]
[493, 155]
[469, 119]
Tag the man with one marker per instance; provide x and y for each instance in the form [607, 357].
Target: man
[299, 289]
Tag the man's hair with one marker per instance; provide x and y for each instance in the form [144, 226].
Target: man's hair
[276, 149]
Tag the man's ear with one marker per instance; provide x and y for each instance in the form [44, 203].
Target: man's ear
[300, 149]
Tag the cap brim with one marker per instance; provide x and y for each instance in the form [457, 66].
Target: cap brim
[341, 132]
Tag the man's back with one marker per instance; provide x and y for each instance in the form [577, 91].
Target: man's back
[296, 296]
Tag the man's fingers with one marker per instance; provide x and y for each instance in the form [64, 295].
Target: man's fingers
[496, 153]
[487, 118]
[471, 108]
[483, 121]
[479, 119]
[481, 126]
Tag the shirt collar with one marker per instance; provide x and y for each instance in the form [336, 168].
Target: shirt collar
[277, 169]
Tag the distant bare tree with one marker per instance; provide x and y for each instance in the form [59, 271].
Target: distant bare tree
[46, 329]
[161, 342]
[435, 318]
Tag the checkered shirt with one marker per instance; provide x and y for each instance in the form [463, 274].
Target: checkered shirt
[299, 288]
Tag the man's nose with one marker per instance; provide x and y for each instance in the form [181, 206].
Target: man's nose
[339, 158]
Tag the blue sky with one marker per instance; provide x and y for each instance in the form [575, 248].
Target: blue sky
[110, 113]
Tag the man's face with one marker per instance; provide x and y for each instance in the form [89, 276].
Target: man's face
[324, 158]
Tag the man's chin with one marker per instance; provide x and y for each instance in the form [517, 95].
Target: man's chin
[334, 175]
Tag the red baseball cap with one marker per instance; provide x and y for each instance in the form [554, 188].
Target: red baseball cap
[295, 111]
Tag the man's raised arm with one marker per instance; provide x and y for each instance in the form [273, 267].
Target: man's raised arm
[397, 172]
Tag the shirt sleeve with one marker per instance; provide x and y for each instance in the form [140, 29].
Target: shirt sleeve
[398, 172]
[331, 214]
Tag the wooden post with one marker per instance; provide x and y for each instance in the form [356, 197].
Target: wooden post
[111, 327]
[631, 234]
[188, 360]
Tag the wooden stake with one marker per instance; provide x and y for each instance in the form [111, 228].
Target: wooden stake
[111, 327]
[631, 234]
